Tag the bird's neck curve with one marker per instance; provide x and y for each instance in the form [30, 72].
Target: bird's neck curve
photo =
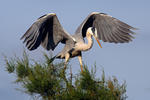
[90, 42]
[81, 46]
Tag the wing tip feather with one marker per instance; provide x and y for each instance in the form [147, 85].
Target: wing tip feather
[133, 28]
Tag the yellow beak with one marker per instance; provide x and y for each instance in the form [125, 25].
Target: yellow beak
[98, 41]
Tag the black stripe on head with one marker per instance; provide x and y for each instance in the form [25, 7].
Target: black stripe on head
[93, 29]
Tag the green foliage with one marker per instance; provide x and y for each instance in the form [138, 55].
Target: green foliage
[51, 82]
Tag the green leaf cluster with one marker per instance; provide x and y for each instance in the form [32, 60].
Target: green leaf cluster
[52, 82]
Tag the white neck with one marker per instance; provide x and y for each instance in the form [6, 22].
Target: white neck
[90, 42]
[83, 46]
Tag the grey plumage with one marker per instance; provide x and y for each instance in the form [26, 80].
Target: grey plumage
[109, 29]
[48, 32]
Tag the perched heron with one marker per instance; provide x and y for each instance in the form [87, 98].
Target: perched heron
[48, 32]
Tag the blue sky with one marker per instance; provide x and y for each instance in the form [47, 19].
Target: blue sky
[130, 62]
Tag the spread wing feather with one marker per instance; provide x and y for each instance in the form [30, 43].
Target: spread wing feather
[46, 31]
[109, 28]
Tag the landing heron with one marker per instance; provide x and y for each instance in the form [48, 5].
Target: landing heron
[48, 32]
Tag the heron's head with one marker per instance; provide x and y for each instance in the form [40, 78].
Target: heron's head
[93, 31]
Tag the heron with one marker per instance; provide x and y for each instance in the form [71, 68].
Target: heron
[48, 32]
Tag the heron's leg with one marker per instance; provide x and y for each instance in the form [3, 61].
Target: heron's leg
[67, 56]
[80, 60]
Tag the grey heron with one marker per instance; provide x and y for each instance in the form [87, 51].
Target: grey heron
[48, 32]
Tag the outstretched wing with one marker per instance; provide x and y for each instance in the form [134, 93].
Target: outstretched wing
[46, 31]
[109, 29]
